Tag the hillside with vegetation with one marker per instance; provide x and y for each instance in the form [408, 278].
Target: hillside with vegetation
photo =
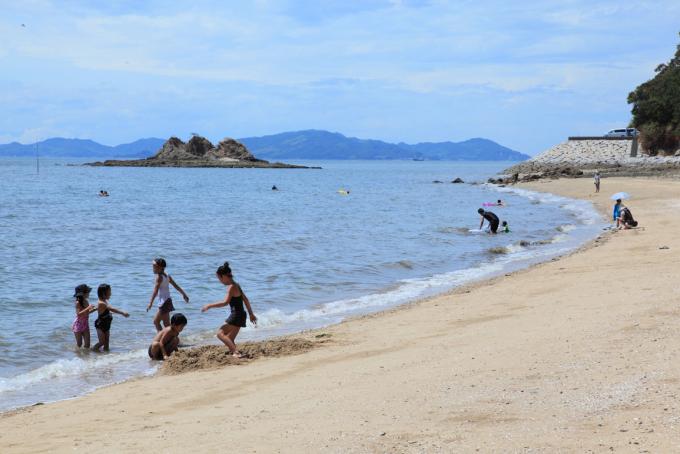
[656, 109]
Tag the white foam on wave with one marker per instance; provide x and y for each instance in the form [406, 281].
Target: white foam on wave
[407, 290]
[64, 368]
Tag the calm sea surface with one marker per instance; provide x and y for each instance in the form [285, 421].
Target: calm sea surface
[306, 255]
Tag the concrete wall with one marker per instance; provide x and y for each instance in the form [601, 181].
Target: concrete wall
[590, 153]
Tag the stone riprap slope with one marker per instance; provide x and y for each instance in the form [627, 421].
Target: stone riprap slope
[609, 156]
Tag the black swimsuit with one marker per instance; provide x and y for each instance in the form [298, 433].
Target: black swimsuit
[493, 220]
[104, 320]
[238, 314]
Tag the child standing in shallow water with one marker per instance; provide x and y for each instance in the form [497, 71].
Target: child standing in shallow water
[237, 318]
[103, 322]
[162, 291]
[81, 325]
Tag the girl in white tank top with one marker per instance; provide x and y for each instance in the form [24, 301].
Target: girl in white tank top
[162, 291]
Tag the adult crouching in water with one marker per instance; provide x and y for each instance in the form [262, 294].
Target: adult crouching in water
[489, 216]
[235, 299]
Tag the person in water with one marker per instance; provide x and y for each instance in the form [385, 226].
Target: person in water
[274, 188]
[235, 299]
[166, 341]
[506, 227]
[499, 203]
[491, 217]
[103, 322]
[162, 291]
[81, 324]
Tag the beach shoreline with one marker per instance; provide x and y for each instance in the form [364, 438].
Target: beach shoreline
[408, 413]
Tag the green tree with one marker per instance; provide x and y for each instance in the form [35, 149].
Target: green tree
[656, 108]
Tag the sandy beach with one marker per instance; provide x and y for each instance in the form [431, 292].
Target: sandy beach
[579, 354]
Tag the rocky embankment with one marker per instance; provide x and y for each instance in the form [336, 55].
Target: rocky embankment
[583, 157]
[200, 152]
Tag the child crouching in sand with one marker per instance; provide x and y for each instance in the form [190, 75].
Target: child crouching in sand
[235, 299]
[103, 322]
[166, 341]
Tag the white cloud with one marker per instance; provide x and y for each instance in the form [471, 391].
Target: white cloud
[126, 57]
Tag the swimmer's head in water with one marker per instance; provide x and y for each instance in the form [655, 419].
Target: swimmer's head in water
[480, 211]
[499, 201]
[504, 223]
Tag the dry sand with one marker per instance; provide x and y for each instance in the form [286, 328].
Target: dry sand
[575, 355]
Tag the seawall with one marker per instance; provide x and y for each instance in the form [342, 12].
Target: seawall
[609, 155]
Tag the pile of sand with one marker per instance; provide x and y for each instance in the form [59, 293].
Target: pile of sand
[212, 356]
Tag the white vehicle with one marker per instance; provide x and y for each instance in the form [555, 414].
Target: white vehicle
[627, 132]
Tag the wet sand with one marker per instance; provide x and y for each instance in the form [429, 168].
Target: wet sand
[575, 355]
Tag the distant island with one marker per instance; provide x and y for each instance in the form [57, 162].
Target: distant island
[315, 144]
[308, 145]
[199, 152]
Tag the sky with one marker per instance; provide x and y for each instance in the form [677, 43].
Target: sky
[526, 74]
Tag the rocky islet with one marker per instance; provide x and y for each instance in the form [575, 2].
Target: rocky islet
[199, 152]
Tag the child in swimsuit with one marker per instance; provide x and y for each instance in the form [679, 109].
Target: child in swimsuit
[166, 341]
[81, 324]
[235, 299]
[105, 317]
[162, 291]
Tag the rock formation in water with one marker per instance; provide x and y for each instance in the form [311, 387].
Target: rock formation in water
[199, 152]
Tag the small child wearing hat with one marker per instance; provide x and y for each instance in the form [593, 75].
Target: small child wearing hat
[81, 324]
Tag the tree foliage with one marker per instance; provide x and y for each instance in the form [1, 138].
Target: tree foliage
[656, 108]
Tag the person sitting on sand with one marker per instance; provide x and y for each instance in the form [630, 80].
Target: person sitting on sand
[626, 219]
[491, 217]
[166, 341]
[235, 298]
[506, 227]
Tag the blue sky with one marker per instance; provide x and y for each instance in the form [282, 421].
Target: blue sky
[525, 74]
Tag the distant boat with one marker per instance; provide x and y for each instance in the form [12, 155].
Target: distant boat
[418, 159]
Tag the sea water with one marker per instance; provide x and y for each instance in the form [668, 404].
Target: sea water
[306, 255]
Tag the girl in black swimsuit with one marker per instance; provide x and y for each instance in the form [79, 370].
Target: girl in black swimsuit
[235, 299]
[104, 319]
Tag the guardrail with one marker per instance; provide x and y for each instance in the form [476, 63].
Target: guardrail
[600, 138]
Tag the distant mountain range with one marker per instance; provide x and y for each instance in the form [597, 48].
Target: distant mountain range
[77, 148]
[310, 144]
[315, 144]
